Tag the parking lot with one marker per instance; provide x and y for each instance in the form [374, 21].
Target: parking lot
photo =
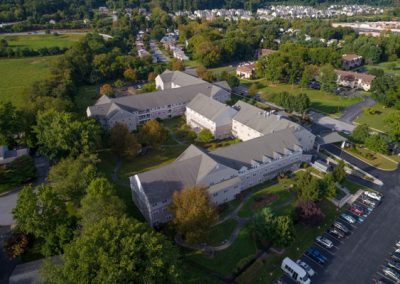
[351, 221]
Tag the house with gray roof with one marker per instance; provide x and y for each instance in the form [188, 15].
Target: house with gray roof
[251, 122]
[175, 90]
[206, 113]
[224, 173]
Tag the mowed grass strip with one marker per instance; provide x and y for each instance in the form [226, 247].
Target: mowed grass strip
[17, 75]
[40, 41]
[320, 100]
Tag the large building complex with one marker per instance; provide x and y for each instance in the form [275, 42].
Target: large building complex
[176, 90]
[224, 172]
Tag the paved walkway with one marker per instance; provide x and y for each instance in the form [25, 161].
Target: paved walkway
[234, 215]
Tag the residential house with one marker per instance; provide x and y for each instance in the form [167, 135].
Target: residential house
[7, 155]
[175, 90]
[246, 70]
[224, 172]
[261, 52]
[354, 80]
[350, 61]
[206, 113]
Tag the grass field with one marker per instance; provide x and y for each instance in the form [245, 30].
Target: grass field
[379, 161]
[392, 67]
[17, 75]
[40, 41]
[320, 101]
[377, 120]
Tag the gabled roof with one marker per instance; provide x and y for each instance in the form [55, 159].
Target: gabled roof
[262, 121]
[219, 113]
[179, 78]
[195, 165]
[242, 154]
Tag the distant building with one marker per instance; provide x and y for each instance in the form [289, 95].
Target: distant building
[104, 11]
[354, 80]
[175, 90]
[246, 70]
[7, 156]
[264, 52]
[350, 61]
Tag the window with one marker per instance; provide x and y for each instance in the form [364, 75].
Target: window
[215, 194]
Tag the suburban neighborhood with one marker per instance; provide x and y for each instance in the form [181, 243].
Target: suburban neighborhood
[205, 141]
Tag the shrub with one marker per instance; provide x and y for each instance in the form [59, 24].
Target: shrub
[308, 213]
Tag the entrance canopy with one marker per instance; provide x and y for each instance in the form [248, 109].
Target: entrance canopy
[330, 138]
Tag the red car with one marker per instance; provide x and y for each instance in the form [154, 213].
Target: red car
[356, 211]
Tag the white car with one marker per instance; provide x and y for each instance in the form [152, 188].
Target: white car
[348, 218]
[398, 244]
[373, 195]
[306, 267]
[324, 242]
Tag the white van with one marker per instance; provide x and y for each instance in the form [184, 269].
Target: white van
[295, 271]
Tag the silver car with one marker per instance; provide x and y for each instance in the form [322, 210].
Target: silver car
[348, 218]
[306, 267]
[324, 242]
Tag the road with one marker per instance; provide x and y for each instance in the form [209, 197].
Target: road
[359, 257]
[353, 111]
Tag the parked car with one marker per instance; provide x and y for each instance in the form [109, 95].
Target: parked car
[394, 264]
[396, 255]
[341, 227]
[356, 211]
[316, 255]
[306, 267]
[368, 202]
[348, 218]
[398, 244]
[373, 195]
[324, 242]
[336, 233]
[391, 273]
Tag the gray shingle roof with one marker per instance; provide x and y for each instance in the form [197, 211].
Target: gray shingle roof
[180, 78]
[212, 109]
[260, 120]
[242, 154]
[194, 164]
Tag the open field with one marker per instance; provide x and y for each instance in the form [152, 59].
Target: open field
[40, 41]
[377, 120]
[391, 67]
[320, 100]
[17, 75]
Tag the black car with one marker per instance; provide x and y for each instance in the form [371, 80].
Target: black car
[396, 255]
[394, 264]
[336, 233]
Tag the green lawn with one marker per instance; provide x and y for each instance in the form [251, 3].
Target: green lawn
[226, 261]
[40, 41]
[17, 75]
[379, 161]
[377, 120]
[320, 100]
[221, 232]
[391, 67]
[279, 191]
[352, 186]
[151, 160]
[304, 238]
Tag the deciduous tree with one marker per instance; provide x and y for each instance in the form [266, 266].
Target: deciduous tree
[194, 214]
[122, 142]
[308, 213]
[327, 78]
[152, 134]
[107, 90]
[117, 250]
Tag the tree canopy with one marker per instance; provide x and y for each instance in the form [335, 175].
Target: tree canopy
[117, 250]
[193, 212]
